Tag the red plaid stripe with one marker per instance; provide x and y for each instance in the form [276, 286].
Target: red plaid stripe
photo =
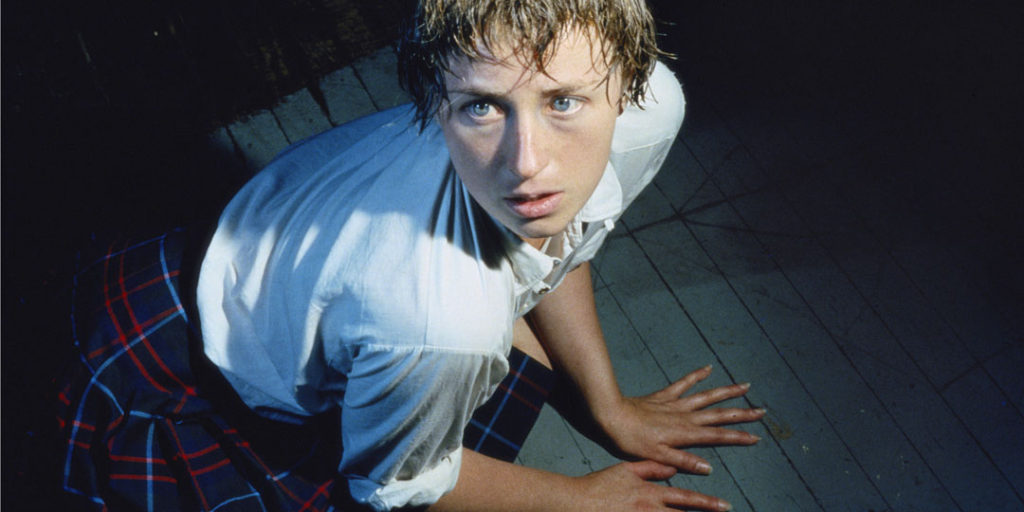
[148, 429]
[139, 436]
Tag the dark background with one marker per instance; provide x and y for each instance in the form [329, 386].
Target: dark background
[106, 105]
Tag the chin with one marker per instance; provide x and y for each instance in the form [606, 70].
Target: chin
[540, 228]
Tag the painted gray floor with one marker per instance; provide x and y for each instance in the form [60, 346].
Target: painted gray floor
[791, 241]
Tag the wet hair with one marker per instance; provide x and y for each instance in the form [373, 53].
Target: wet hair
[441, 30]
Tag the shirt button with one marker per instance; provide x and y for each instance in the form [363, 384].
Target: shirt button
[544, 289]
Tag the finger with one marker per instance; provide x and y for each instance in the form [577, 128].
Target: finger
[715, 436]
[651, 470]
[714, 396]
[691, 500]
[681, 386]
[725, 416]
[683, 460]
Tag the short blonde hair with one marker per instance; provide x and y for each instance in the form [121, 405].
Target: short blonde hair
[444, 29]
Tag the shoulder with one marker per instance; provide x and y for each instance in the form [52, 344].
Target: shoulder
[657, 118]
[645, 133]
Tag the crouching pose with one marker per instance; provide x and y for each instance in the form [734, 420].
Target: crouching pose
[376, 316]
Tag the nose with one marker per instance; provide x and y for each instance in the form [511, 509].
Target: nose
[526, 143]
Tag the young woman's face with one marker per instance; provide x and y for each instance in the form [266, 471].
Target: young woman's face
[531, 147]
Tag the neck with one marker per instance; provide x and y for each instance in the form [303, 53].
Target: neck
[537, 243]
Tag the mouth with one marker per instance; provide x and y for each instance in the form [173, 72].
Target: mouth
[534, 206]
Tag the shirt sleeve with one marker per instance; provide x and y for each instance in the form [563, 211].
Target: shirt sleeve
[403, 414]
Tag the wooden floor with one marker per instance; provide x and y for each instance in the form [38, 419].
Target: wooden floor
[795, 239]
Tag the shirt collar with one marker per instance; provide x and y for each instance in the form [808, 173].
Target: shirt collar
[530, 265]
[606, 201]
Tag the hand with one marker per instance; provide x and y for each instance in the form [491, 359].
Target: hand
[656, 426]
[629, 486]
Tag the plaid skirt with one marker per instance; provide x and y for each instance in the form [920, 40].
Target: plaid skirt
[150, 424]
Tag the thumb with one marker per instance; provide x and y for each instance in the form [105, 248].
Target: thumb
[650, 470]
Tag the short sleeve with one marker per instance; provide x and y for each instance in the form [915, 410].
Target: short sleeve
[403, 414]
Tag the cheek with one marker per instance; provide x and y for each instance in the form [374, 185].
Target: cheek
[469, 145]
[470, 156]
[591, 148]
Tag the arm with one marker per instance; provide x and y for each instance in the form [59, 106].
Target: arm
[653, 427]
[490, 485]
[567, 326]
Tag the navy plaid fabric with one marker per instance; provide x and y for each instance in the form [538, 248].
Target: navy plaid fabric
[151, 425]
[499, 427]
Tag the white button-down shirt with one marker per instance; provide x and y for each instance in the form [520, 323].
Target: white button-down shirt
[356, 271]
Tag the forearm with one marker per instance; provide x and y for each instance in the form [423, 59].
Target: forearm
[491, 485]
[567, 326]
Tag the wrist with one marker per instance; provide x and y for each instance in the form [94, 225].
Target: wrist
[609, 412]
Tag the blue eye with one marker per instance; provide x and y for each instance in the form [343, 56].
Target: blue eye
[478, 108]
[564, 105]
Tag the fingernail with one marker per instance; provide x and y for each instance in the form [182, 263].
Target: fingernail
[724, 506]
[745, 386]
[756, 438]
[704, 467]
[761, 410]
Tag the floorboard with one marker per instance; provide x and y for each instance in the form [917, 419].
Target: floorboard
[784, 244]
[299, 116]
[259, 139]
[908, 314]
[345, 96]
[378, 72]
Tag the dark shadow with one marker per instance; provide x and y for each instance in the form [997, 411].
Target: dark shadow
[106, 107]
[106, 111]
